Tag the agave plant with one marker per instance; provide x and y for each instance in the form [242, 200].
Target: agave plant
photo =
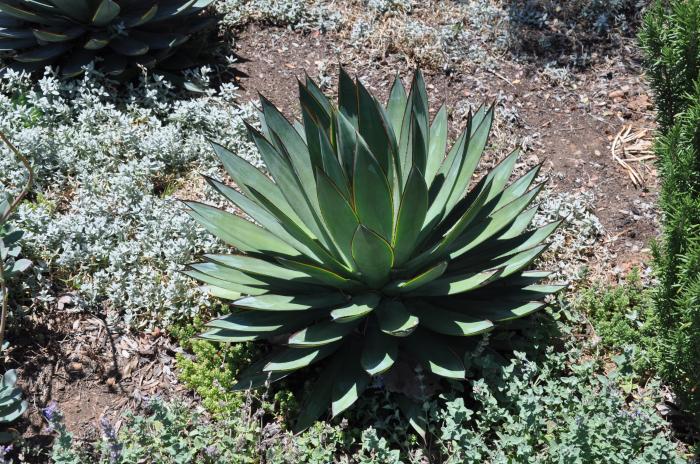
[119, 34]
[366, 245]
[11, 404]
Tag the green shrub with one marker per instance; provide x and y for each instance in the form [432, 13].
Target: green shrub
[622, 317]
[670, 38]
[369, 248]
[562, 410]
[677, 259]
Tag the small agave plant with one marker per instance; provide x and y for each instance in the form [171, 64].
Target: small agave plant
[118, 34]
[12, 406]
[366, 245]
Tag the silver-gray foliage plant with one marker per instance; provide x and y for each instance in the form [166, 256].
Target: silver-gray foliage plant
[99, 217]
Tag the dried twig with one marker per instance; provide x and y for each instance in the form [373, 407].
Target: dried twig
[621, 149]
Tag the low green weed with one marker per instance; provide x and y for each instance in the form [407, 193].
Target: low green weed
[623, 318]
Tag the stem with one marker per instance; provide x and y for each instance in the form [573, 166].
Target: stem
[3, 218]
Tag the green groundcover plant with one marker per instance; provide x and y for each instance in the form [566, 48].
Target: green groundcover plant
[366, 245]
[119, 34]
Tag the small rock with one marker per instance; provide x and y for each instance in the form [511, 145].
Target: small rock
[75, 367]
[616, 94]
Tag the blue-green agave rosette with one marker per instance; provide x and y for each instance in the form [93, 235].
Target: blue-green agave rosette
[367, 245]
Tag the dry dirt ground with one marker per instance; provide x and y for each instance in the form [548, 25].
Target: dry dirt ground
[570, 124]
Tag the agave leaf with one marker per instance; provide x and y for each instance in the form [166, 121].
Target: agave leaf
[492, 225]
[502, 311]
[169, 11]
[415, 122]
[345, 142]
[448, 322]
[339, 217]
[77, 9]
[316, 121]
[358, 307]
[470, 159]
[373, 256]
[248, 177]
[26, 14]
[271, 302]
[227, 274]
[319, 96]
[45, 53]
[238, 232]
[394, 319]
[260, 267]
[405, 286]
[262, 321]
[107, 10]
[494, 182]
[160, 40]
[292, 359]
[322, 333]
[441, 187]
[99, 40]
[520, 223]
[396, 106]
[374, 127]
[260, 214]
[372, 194]
[495, 249]
[255, 377]
[436, 356]
[16, 33]
[321, 275]
[348, 98]
[349, 383]
[289, 142]
[317, 399]
[379, 353]
[233, 287]
[230, 336]
[452, 284]
[319, 253]
[289, 182]
[139, 18]
[412, 210]
[518, 187]
[218, 292]
[535, 292]
[16, 44]
[438, 145]
[58, 35]
[128, 46]
[332, 167]
[417, 417]
[76, 62]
